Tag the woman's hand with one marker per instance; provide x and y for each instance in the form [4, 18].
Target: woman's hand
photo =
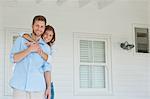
[29, 43]
[40, 51]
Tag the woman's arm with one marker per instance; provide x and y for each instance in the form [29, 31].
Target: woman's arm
[40, 52]
[43, 54]
[28, 37]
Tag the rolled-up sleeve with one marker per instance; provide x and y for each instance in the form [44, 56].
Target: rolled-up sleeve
[51, 55]
[49, 60]
[15, 49]
[46, 67]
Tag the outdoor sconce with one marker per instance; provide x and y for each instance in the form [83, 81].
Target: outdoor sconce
[126, 46]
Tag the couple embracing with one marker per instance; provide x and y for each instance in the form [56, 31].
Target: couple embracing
[32, 55]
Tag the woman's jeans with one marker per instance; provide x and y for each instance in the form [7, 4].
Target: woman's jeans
[52, 90]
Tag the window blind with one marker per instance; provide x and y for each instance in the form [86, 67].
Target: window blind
[92, 56]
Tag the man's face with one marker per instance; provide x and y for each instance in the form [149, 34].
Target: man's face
[38, 28]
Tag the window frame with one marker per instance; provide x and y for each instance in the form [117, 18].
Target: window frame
[108, 70]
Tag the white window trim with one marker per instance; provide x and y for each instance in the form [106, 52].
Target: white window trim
[85, 91]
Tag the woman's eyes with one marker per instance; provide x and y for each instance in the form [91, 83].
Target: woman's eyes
[50, 35]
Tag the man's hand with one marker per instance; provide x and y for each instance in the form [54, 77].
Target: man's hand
[48, 93]
[34, 47]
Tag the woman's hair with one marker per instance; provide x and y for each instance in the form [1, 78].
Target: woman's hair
[50, 28]
[39, 18]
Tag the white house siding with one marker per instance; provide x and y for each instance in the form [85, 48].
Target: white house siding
[130, 71]
[1, 54]
[149, 57]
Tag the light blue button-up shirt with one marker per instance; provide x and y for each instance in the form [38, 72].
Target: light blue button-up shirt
[28, 74]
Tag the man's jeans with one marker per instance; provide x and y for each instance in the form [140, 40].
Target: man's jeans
[52, 90]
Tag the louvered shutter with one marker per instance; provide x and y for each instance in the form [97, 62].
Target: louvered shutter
[92, 64]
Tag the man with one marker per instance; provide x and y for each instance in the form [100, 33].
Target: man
[28, 80]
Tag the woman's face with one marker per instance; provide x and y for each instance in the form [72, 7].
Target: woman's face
[47, 36]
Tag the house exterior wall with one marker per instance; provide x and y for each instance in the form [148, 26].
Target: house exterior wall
[130, 71]
[1, 53]
[149, 35]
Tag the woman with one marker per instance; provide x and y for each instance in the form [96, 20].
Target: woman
[49, 37]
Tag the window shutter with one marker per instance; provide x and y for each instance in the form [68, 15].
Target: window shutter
[84, 76]
[98, 77]
[92, 55]
[85, 51]
[99, 51]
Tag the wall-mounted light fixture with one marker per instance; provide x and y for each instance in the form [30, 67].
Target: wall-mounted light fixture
[126, 46]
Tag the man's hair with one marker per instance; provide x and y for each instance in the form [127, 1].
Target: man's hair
[39, 18]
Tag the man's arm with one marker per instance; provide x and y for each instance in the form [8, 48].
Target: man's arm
[20, 55]
[47, 75]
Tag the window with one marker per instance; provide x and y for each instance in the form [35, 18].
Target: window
[92, 64]
[141, 40]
